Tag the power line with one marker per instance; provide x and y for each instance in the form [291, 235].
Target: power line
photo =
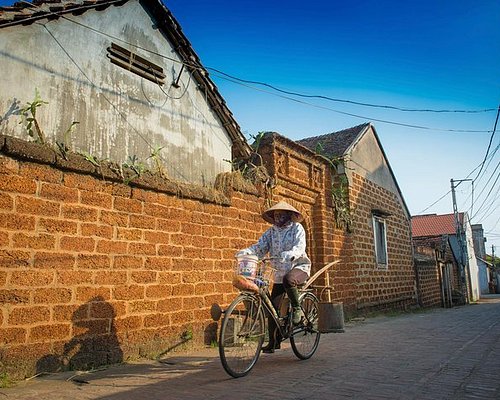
[437, 201]
[486, 213]
[490, 158]
[489, 144]
[351, 114]
[315, 96]
[449, 191]
[491, 205]
[242, 81]
[492, 187]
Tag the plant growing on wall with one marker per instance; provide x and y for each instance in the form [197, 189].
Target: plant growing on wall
[91, 158]
[32, 126]
[251, 170]
[135, 166]
[64, 146]
[340, 196]
[155, 155]
[29, 121]
[340, 190]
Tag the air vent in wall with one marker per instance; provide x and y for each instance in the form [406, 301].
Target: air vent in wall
[136, 64]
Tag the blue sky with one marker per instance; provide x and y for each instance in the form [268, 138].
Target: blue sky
[426, 54]
[421, 55]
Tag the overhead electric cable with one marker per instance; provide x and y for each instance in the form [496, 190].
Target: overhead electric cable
[489, 144]
[351, 114]
[489, 179]
[449, 191]
[343, 100]
[437, 201]
[486, 198]
[487, 213]
[490, 158]
[197, 66]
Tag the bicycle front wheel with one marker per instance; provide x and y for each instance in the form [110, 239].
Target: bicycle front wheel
[305, 338]
[241, 335]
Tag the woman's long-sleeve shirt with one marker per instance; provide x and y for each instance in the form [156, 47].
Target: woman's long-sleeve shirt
[287, 245]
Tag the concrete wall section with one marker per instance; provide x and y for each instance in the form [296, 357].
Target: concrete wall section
[475, 290]
[120, 114]
[366, 159]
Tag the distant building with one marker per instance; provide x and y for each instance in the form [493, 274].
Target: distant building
[432, 228]
[480, 251]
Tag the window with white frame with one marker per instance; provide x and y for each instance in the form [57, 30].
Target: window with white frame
[380, 240]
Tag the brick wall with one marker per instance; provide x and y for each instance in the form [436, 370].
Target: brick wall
[305, 180]
[394, 286]
[95, 272]
[357, 281]
[429, 282]
[432, 256]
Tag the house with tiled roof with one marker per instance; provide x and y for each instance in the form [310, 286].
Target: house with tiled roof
[452, 274]
[378, 228]
[126, 74]
[361, 153]
[96, 269]
[435, 225]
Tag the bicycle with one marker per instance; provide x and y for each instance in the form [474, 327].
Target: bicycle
[243, 329]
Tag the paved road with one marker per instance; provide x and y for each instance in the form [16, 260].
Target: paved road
[439, 354]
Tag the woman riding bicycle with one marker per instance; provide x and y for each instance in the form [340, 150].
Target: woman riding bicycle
[285, 242]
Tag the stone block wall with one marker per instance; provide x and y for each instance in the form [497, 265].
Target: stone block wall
[394, 286]
[94, 271]
[304, 179]
[432, 256]
[429, 282]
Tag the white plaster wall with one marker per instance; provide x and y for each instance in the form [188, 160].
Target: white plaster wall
[367, 160]
[120, 114]
[472, 261]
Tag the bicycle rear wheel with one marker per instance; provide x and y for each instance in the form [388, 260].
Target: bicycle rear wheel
[241, 335]
[305, 337]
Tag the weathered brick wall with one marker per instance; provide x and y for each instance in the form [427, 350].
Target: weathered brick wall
[305, 180]
[432, 254]
[376, 287]
[95, 272]
[428, 277]
[430, 285]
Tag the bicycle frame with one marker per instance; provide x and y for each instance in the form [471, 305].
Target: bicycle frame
[244, 326]
[286, 330]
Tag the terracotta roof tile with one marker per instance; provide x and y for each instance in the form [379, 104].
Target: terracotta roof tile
[28, 13]
[434, 225]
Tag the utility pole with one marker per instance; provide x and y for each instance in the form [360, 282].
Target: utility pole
[494, 270]
[462, 244]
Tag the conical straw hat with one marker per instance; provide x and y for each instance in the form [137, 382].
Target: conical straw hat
[268, 215]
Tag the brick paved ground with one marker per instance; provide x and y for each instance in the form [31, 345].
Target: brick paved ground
[439, 354]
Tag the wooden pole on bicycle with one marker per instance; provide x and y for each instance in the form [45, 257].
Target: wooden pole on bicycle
[319, 272]
[327, 286]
